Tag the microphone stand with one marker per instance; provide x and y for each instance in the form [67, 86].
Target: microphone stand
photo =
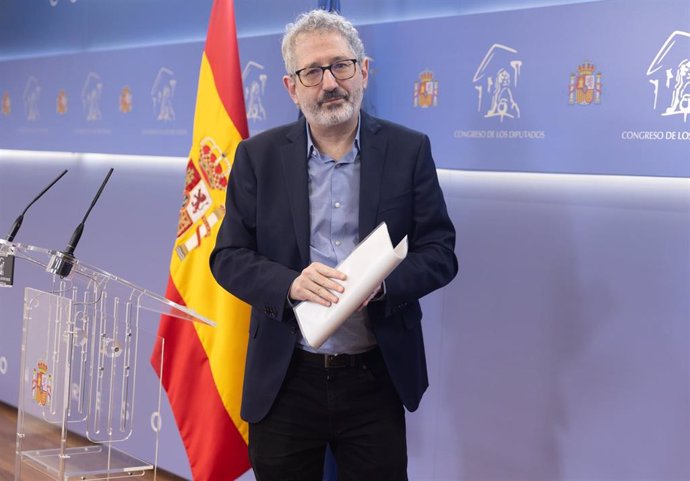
[63, 261]
[7, 257]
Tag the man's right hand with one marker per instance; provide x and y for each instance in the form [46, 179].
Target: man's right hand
[315, 284]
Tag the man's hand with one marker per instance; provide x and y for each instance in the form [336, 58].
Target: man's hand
[315, 284]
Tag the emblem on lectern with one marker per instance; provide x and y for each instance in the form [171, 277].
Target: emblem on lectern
[42, 384]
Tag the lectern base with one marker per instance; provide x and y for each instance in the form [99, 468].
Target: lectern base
[84, 463]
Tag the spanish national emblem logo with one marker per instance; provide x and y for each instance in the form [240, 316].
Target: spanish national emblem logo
[61, 102]
[42, 384]
[197, 205]
[6, 103]
[125, 100]
[426, 90]
[585, 86]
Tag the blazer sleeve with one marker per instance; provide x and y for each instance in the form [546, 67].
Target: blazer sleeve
[431, 262]
[235, 262]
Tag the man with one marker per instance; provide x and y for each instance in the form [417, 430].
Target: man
[299, 199]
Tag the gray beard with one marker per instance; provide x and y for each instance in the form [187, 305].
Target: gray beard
[328, 117]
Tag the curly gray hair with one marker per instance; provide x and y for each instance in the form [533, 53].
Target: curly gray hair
[319, 21]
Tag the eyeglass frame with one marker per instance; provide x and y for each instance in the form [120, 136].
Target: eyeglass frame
[329, 68]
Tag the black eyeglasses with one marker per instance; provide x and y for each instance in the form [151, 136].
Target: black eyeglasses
[341, 70]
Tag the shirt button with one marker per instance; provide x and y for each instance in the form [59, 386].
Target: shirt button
[336, 205]
[337, 243]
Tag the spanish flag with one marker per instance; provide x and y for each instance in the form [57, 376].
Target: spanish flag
[203, 367]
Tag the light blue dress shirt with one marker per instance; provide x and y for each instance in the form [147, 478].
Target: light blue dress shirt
[334, 233]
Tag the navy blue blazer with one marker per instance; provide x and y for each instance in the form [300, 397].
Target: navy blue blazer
[263, 245]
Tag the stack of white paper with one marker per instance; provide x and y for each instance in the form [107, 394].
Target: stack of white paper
[366, 267]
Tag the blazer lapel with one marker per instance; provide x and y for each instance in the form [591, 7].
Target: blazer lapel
[373, 155]
[294, 160]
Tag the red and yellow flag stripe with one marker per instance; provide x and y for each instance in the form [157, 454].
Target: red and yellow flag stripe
[203, 367]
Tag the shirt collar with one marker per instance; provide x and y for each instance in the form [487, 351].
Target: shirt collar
[313, 151]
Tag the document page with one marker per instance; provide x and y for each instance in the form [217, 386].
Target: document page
[366, 267]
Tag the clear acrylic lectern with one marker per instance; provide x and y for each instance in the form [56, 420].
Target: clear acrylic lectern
[89, 400]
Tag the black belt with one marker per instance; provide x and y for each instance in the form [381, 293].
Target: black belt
[330, 361]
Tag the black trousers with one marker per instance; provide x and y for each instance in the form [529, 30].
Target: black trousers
[354, 408]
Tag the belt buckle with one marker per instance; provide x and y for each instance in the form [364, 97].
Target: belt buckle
[338, 360]
[328, 360]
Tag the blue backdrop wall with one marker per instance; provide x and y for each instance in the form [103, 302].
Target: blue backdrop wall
[561, 350]
[539, 89]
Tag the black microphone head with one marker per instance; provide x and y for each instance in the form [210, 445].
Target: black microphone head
[76, 235]
[15, 227]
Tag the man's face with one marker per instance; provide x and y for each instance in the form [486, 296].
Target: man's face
[332, 102]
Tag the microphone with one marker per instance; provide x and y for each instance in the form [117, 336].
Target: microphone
[62, 262]
[6, 258]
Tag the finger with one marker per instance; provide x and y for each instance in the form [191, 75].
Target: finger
[315, 297]
[298, 291]
[322, 280]
[331, 285]
[329, 272]
[325, 294]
